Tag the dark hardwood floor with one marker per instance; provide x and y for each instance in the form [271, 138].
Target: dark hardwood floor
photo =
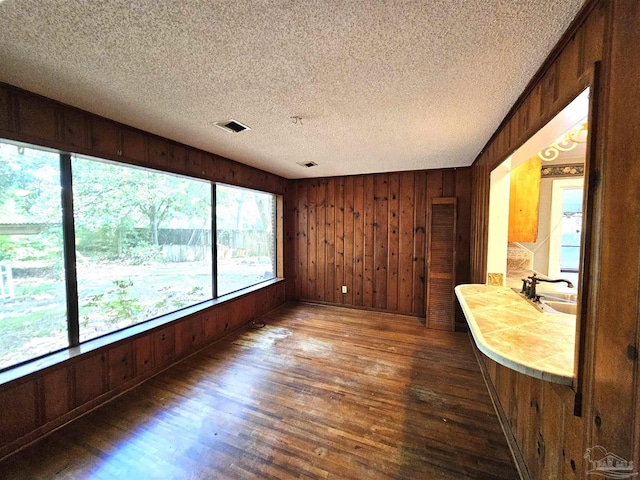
[320, 392]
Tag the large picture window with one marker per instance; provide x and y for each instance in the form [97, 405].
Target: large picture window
[245, 221]
[137, 244]
[143, 244]
[33, 319]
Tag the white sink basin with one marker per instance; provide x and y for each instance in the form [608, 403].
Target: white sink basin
[567, 308]
[559, 296]
[558, 303]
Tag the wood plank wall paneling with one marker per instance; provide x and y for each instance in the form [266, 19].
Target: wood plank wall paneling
[550, 437]
[368, 242]
[616, 372]
[406, 240]
[380, 242]
[358, 242]
[290, 245]
[368, 232]
[4, 109]
[51, 397]
[419, 242]
[312, 242]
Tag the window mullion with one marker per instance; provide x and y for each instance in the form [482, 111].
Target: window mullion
[274, 236]
[69, 241]
[214, 240]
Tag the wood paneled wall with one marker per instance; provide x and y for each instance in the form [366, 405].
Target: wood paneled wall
[551, 439]
[33, 405]
[369, 232]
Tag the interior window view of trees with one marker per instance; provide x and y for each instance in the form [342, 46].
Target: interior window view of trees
[143, 247]
[143, 244]
[245, 222]
[33, 319]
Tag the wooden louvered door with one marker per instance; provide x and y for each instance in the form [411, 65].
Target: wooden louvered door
[441, 263]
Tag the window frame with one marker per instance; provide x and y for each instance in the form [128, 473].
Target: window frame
[61, 219]
[275, 223]
[93, 159]
[555, 242]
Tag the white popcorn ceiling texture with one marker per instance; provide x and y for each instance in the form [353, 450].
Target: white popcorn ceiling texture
[380, 85]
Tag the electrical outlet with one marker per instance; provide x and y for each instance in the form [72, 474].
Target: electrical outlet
[344, 289]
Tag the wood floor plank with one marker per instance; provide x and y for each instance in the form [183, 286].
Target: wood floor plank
[321, 392]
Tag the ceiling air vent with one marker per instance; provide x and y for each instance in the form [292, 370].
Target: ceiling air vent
[232, 126]
[307, 164]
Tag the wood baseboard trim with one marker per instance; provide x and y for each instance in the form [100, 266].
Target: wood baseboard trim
[357, 307]
[518, 458]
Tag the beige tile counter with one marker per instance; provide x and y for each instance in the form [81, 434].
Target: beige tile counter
[511, 331]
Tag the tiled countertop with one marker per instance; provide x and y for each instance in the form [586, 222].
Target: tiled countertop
[511, 331]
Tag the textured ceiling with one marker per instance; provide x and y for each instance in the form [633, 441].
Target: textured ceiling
[380, 86]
